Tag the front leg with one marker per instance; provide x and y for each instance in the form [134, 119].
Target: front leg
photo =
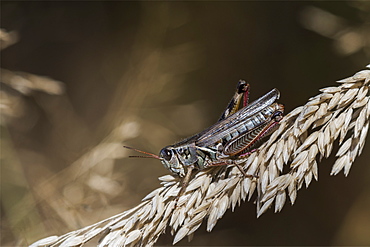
[185, 182]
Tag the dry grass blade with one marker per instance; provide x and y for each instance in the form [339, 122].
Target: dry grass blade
[339, 114]
[7, 38]
[305, 136]
[25, 83]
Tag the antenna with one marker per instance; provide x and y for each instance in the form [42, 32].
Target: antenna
[137, 150]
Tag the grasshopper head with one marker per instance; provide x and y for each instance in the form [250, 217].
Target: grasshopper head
[171, 161]
[177, 160]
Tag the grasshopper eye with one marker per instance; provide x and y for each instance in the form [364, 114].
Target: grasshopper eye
[166, 154]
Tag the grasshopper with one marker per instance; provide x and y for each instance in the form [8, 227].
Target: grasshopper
[235, 135]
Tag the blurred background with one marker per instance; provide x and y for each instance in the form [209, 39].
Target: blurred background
[81, 79]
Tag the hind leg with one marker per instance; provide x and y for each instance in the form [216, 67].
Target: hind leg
[241, 93]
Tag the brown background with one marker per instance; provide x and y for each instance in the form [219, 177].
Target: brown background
[147, 74]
